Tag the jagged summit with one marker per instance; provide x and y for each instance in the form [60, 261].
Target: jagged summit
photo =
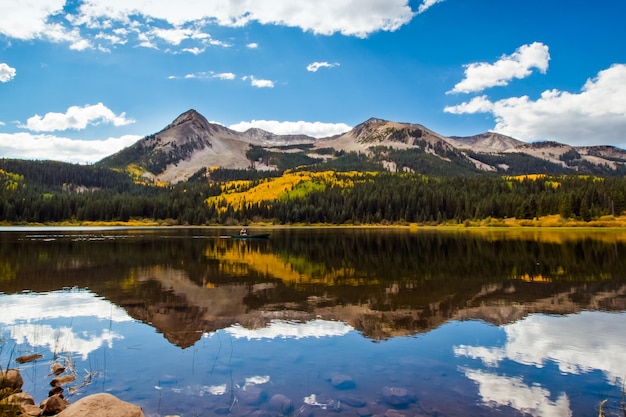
[190, 143]
[189, 116]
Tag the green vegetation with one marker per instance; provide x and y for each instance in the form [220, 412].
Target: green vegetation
[47, 192]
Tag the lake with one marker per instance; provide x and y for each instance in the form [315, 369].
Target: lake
[310, 322]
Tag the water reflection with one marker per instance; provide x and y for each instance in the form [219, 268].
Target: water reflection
[52, 321]
[464, 323]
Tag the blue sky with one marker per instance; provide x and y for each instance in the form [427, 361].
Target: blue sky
[81, 79]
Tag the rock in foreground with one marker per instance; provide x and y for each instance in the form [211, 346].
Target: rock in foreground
[101, 405]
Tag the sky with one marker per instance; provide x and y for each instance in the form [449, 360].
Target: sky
[82, 79]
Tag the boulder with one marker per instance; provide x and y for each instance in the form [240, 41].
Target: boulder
[11, 378]
[20, 398]
[280, 404]
[53, 405]
[101, 405]
[31, 410]
[251, 396]
[393, 413]
[19, 402]
[352, 401]
[398, 397]
[342, 382]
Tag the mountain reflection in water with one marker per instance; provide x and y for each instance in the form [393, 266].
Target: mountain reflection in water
[493, 311]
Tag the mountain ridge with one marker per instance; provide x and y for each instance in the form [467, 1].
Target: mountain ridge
[191, 143]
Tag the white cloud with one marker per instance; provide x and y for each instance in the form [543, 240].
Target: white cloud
[595, 116]
[259, 83]
[183, 20]
[205, 75]
[77, 118]
[540, 339]
[279, 329]
[350, 17]
[314, 66]
[6, 73]
[427, 4]
[114, 39]
[498, 390]
[195, 50]
[27, 19]
[23, 313]
[253, 45]
[480, 104]
[225, 76]
[481, 75]
[314, 129]
[47, 147]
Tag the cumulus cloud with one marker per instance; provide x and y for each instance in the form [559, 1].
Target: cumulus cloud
[279, 329]
[33, 20]
[225, 76]
[314, 129]
[27, 20]
[595, 115]
[314, 66]
[205, 75]
[39, 20]
[6, 73]
[77, 118]
[427, 4]
[496, 390]
[259, 83]
[252, 45]
[538, 340]
[481, 75]
[25, 145]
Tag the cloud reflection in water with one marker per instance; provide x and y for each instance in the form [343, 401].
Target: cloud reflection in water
[26, 315]
[539, 339]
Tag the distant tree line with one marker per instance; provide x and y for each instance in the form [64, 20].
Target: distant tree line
[410, 198]
[38, 191]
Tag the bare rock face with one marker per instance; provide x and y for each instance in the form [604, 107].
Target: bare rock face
[101, 405]
[12, 379]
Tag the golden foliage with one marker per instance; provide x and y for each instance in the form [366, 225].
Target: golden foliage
[241, 259]
[237, 194]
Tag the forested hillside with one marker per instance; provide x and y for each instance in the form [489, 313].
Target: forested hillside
[45, 192]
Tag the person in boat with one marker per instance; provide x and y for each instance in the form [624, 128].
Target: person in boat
[243, 232]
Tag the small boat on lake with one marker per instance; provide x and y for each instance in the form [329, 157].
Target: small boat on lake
[251, 236]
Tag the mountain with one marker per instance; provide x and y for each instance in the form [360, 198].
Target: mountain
[191, 143]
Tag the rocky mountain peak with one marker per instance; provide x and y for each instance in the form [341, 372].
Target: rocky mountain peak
[189, 116]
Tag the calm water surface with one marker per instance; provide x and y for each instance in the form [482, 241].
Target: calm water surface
[311, 322]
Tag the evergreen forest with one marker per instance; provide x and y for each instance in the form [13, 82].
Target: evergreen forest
[33, 192]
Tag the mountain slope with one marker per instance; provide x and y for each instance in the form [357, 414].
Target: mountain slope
[191, 143]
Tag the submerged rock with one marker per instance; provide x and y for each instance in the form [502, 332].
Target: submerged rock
[352, 401]
[252, 396]
[56, 369]
[28, 358]
[62, 380]
[342, 382]
[281, 404]
[101, 405]
[398, 397]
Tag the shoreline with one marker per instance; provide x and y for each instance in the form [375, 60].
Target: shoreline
[553, 222]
